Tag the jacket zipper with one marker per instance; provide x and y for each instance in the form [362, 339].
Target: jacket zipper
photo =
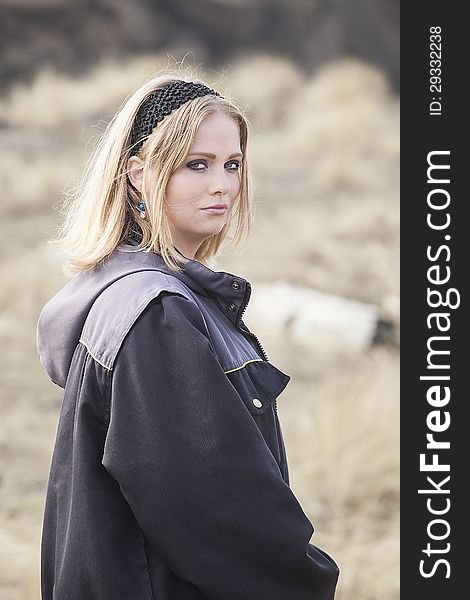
[241, 327]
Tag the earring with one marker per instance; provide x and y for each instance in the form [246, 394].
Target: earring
[141, 207]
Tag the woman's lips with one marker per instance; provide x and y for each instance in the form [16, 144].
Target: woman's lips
[216, 210]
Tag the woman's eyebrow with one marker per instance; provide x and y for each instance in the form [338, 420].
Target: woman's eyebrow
[210, 155]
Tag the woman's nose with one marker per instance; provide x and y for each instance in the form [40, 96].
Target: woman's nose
[220, 182]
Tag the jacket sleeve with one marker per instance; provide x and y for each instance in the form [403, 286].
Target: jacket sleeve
[196, 471]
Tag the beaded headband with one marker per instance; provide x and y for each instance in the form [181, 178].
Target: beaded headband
[160, 104]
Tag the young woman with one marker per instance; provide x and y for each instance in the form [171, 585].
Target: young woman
[169, 478]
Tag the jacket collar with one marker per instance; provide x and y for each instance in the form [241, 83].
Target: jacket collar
[61, 320]
[230, 291]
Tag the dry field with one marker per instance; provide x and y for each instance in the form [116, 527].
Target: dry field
[324, 153]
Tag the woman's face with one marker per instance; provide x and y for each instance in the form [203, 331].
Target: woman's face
[209, 176]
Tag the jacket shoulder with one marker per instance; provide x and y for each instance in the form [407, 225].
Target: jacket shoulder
[119, 306]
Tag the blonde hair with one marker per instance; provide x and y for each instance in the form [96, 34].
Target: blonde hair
[103, 211]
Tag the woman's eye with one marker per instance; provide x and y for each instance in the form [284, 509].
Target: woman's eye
[234, 165]
[196, 165]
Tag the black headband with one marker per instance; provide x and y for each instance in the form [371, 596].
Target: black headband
[160, 104]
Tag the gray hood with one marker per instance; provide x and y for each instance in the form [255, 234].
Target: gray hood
[62, 318]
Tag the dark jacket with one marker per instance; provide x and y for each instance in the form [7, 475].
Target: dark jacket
[169, 478]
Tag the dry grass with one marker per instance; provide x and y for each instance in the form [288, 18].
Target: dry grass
[325, 157]
[346, 469]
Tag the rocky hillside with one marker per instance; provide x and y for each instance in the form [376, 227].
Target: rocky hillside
[71, 35]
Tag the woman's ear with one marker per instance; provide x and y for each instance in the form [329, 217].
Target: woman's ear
[135, 172]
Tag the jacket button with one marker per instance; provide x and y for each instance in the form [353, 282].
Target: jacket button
[257, 403]
[235, 285]
[232, 307]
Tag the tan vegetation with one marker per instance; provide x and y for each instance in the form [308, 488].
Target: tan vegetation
[325, 158]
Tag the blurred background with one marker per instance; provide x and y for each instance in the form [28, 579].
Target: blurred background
[320, 83]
